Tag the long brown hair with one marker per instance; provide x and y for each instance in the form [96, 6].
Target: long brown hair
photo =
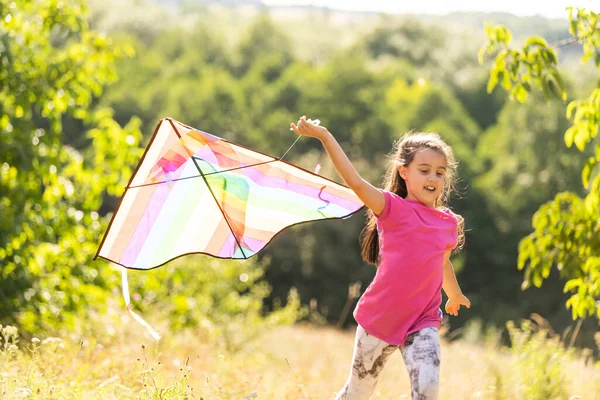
[403, 153]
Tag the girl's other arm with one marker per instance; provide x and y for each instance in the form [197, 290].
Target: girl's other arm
[450, 285]
[370, 195]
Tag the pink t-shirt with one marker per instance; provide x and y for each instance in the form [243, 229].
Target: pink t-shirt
[405, 294]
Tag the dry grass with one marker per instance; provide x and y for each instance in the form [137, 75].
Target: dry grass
[298, 362]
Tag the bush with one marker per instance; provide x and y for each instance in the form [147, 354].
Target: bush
[223, 297]
[539, 362]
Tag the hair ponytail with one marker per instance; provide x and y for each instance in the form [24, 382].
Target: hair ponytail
[394, 183]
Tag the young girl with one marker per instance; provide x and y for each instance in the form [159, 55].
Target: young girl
[409, 235]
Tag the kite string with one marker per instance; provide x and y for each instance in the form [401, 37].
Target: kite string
[314, 122]
[317, 167]
[287, 151]
[129, 306]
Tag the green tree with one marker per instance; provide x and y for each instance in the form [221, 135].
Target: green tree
[263, 39]
[409, 39]
[567, 229]
[526, 162]
[53, 67]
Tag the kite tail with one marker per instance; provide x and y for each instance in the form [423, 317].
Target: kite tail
[129, 306]
[327, 202]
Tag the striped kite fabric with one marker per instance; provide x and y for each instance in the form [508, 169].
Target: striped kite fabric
[194, 192]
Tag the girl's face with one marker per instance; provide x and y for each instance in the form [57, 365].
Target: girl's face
[425, 176]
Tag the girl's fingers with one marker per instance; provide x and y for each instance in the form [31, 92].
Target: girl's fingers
[301, 120]
[295, 129]
[304, 127]
[303, 123]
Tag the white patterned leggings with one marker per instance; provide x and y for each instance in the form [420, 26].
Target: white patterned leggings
[421, 353]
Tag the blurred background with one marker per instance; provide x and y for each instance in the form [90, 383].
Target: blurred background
[84, 83]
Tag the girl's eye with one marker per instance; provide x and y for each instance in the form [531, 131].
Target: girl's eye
[424, 171]
[440, 174]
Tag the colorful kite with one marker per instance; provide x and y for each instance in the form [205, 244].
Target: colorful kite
[193, 192]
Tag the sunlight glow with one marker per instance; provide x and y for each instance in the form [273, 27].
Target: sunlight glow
[546, 8]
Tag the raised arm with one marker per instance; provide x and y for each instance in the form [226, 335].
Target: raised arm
[370, 195]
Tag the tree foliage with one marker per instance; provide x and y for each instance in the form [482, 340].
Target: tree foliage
[567, 229]
[53, 184]
[409, 40]
[52, 68]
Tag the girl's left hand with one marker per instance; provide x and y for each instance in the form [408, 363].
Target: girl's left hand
[309, 128]
[453, 305]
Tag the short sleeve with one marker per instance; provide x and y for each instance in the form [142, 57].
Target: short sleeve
[452, 246]
[386, 208]
[454, 243]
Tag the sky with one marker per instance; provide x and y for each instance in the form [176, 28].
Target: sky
[547, 8]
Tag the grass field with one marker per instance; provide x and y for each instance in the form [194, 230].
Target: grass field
[296, 362]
